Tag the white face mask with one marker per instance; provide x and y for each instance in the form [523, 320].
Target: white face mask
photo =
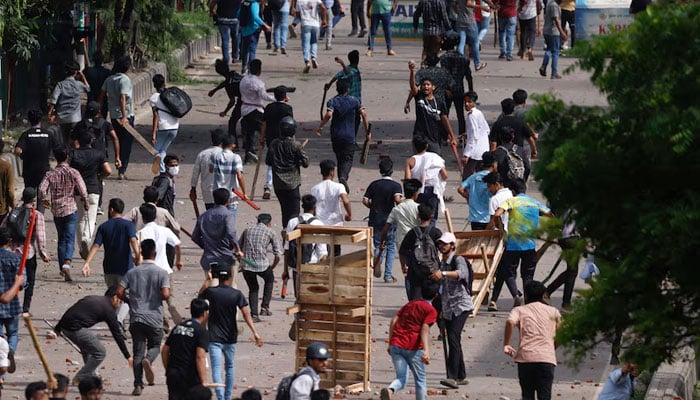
[174, 170]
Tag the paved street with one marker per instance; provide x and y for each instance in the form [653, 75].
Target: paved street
[492, 375]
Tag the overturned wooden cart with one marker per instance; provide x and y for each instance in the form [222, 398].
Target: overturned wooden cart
[334, 303]
[483, 249]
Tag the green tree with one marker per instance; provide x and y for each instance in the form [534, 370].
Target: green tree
[632, 172]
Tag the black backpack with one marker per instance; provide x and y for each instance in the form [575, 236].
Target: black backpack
[306, 249]
[177, 102]
[246, 13]
[18, 223]
[275, 5]
[425, 256]
[233, 84]
[284, 389]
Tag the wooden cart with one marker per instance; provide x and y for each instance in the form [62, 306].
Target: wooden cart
[334, 303]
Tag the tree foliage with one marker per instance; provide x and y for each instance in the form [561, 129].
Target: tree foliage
[631, 171]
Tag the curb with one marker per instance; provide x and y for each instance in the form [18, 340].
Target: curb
[674, 381]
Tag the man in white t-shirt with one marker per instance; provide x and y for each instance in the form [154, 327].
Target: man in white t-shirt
[429, 168]
[165, 125]
[162, 236]
[227, 168]
[477, 136]
[330, 196]
[312, 14]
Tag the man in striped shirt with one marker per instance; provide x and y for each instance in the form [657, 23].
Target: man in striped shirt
[57, 189]
[227, 168]
[435, 24]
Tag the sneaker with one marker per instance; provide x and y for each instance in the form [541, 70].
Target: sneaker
[256, 318]
[251, 157]
[266, 194]
[462, 382]
[556, 76]
[481, 66]
[362, 33]
[390, 280]
[509, 58]
[283, 50]
[137, 391]
[517, 301]
[292, 34]
[450, 383]
[307, 67]
[275, 50]
[385, 394]
[502, 56]
[390, 53]
[329, 47]
[148, 371]
[530, 56]
[266, 312]
[65, 272]
[99, 211]
[13, 365]
[493, 306]
[543, 71]
[122, 177]
[269, 46]
[352, 32]
[84, 249]
[369, 53]
[314, 63]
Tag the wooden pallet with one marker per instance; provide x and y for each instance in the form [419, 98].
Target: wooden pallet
[483, 249]
[334, 304]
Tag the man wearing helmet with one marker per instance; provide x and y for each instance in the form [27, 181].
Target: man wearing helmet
[285, 155]
[308, 379]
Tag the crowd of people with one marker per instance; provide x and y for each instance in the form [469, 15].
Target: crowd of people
[142, 246]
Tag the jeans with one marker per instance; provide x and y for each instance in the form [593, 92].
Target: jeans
[389, 253]
[280, 20]
[228, 351]
[455, 358]
[30, 267]
[87, 219]
[268, 178]
[229, 35]
[552, 42]
[249, 44]
[125, 142]
[163, 140]
[506, 33]
[528, 32]
[344, 154]
[403, 361]
[144, 337]
[357, 14]
[328, 30]
[10, 327]
[290, 203]
[92, 350]
[470, 36]
[385, 19]
[65, 227]
[483, 27]
[251, 279]
[233, 207]
[536, 377]
[309, 41]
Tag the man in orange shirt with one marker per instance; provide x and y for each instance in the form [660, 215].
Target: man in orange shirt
[536, 353]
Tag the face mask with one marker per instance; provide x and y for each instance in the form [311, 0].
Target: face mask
[174, 170]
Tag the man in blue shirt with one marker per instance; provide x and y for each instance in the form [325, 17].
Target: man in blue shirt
[620, 383]
[523, 219]
[351, 73]
[475, 190]
[249, 18]
[343, 109]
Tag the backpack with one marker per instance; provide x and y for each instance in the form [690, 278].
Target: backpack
[245, 16]
[18, 223]
[275, 5]
[425, 256]
[516, 166]
[306, 249]
[233, 84]
[176, 101]
[284, 389]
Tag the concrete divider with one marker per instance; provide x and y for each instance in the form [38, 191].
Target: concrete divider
[674, 381]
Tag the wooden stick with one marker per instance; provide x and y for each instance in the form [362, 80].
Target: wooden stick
[448, 219]
[63, 336]
[50, 381]
[247, 200]
[255, 176]
[27, 241]
[196, 208]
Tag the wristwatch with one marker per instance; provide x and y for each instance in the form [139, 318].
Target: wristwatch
[444, 274]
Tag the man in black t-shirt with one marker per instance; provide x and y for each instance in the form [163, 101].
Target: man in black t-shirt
[521, 133]
[223, 330]
[185, 352]
[270, 129]
[380, 197]
[431, 112]
[92, 165]
[415, 279]
[34, 148]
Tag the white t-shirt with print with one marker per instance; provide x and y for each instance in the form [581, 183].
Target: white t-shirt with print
[166, 120]
[496, 201]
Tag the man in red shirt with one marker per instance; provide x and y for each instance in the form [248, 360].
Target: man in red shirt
[408, 342]
[507, 19]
